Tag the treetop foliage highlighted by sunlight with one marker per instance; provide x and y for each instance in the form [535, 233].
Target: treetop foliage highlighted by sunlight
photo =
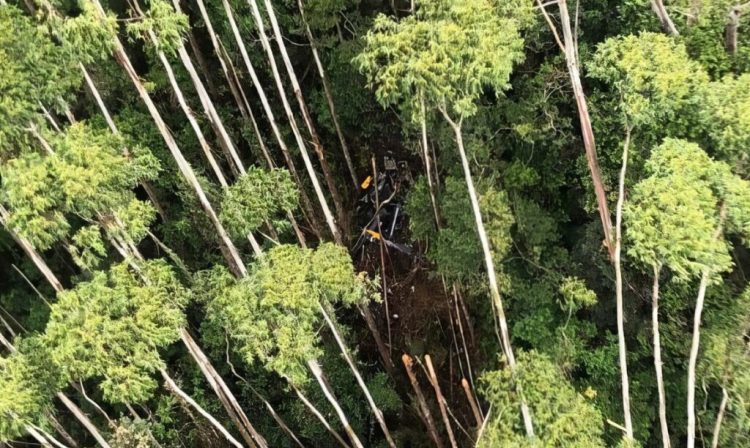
[374, 223]
[448, 53]
[112, 328]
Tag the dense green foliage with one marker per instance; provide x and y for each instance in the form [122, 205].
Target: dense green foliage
[143, 303]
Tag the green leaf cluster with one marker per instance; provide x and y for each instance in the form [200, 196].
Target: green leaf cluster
[255, 197]
[112, 328]
[562, 416]
[273, 315]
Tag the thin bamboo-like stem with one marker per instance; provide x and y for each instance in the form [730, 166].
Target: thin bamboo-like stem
[360, 381]
[318, 374]
[616, 261]
[720, 417]
[666, 443]
[329, 97]
[320, 417]
[695, 343]
[307, 118]
[228, 248]
[182, 395]
[490, 267]
[440, 400]
[425, 410]
[306, 204]
[330, 220]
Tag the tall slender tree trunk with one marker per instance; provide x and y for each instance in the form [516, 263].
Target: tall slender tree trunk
[440, 400]
[720, 417]
[361, 382]
[666, 22]
[83, 418]
[424, 409]
[218, 172]
[665, 441]
[183, 396]
[227, 246]
[695, 343]
[246, 111]
[318, 374]
[587, 131]
[36, 435]
[248, 432]
[147, 187]
[329, 96]
[202, 63]
[320, 417]
[428, 168]
[306, 203]
[733, 24]
[616, 261]
[316, 142]
[31, 252]
[490, 266]
[330, 220]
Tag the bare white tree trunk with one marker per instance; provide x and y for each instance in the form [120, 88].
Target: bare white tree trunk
[31, 252]
[320, 417]
[266, 105]
[228, 248]
[318, 374]
[695, 344]
[316, 142]
[83, 418]
[361, 382]
[330, 220]
[36, 435]
[329, 96]
[665, 441]
[616, 261]
[112, 127]
[171, 385]
[720, 417]
[191, 118]
[571, 58]
[666, 22]
[233, 408]
[490, 267]
[428, 169]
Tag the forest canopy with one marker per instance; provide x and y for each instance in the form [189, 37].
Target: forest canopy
[369, 223]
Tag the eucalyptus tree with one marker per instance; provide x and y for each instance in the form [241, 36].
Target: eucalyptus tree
[94, 182]
[330, 220]
[171, 28]
[653, 79]
[306, 203]
[670, 224]
[112, 327]
[166, 27]
[563, 416]
[569, 48]
[446, 54]
[328, 94]
[297, 90]
[730, 213]
[273, 315]
[98, 14]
